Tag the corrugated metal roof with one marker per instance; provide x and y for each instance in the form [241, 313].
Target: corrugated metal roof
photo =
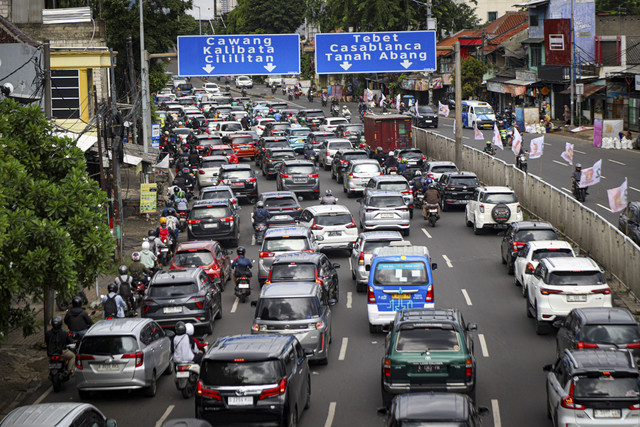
[67, 15]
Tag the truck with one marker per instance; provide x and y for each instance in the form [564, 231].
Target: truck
[389, 131]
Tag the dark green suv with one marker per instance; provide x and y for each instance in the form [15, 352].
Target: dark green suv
[428, 350]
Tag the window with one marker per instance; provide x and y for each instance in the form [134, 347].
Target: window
[492, 16]
[89, 418]
[533, 20]
[65, 94]
[535, 55]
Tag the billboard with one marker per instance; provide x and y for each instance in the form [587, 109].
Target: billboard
[557, 41]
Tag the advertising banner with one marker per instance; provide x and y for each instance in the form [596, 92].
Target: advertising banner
[148, 198]
[557, 41]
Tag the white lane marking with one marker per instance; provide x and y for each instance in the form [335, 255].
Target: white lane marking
[43, 396]
[603, 177]
[496, 413]
[350, 264]
[604, 207]
[561, 163]
[349, 299]
[566, 190]
[466, 296]
[426, 233]
[165, 415]
[635, 189]
[447, 260]
[234, 307]
[617, 162]
[447, 124]
[466, 137]
[483, 345]
[343, 349]
[578, 151]
[331, 414]
[253, 240]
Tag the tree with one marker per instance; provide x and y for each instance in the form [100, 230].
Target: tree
[472, 71]
[618, 7]
[453, 17]
[53, 231]
[265, 17]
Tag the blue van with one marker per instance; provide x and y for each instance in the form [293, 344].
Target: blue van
[397, 282]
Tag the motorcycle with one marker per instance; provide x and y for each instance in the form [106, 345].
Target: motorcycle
[580, 193]
[418, 199]
[491, 151]
[138, 288]
[290, 95]
[296, 93]
[324, 101]
[335, 110]
[390, 171]
[164, 253]
[506, 134]
[58, 371]
[347, 116]
[310, 96]
[243, 288]
[182, 217]
[273, 89]
[260, 228]
[432, 214]
[186, 378]
[328, 200]
[521, 162]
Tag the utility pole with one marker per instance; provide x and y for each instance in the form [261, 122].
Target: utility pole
[115, 162]
[100, 160]
[132, 89]
[458, 84]
[573, 78]
[144, 84]
[47, 80]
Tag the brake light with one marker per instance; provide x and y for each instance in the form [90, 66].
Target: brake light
[582, 345]
[212, 394]
[371, 297]
[226, 219]
[313, 175]
[199, 301]
[215, 267]
[145, 308]
[352, 225]
[194, 221]
[286, 176]
[567, 401]
[314, 226]
[530, 267]
[429, 297]
[281, 388]
[255, 327]
[518, 209]
[603, 291]
[201, 172]
[517, 245]
[547, 291]
[449, 187]
[468, 368]
[344, 162]
[80, 358]
[328, 153]
[267, 254]
[251, 180]
[482, 208]
[371, 209]
[183, 368]
[386, 369]
[423, 157]
[634, 407]
[634, 345]
[138, 355]
[403, 208]
[406, 191]
[430, 176]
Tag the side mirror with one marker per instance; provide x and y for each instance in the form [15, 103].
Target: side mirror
[332, 302]
[547, 368]
[300, 198]
[111, 422]
[558, 324]
[434, 266]
[350, 246]
[483, 411]
[229, 252]
[472, 327]
[254, 303]
[170, 333]
[387, 328]
[308, 352]
[336, 265]
[367, 267]
[384, 411]
[319, 238]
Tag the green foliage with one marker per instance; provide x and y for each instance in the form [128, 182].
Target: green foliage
[618, 7]
[307, 67]
[265, 17]
[453, 17]
[52, 221]
[472, 71]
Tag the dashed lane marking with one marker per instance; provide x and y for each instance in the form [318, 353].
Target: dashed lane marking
[483, 345]
[349, 299]
[165, 415]
[331, 414]
[617, 162]
[578, 151]
[43, 396]
[605, 208]
[635, 189]
[426, 233]
[343, 348]
[466, 296]
[561, 163]
[234, 307]
[350, 264]
[447, 260]
[496, 413]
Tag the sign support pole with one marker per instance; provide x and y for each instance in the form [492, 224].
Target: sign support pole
[458, 84]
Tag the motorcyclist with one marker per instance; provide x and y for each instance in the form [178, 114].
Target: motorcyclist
[173, 222]
[190, 180]
[138, 270]
[57, 340]
[77, 319]
[345, 111]
[113, 304]
[488, 148]
[419, 182]
[402, 167]
[181, 203]
[194, 157]
[180, 181]
[147, 258]
[328, 198]
[261, 215]
[124, 282]
[431, 197]
[183, 347]
[241, 266]
[379, 155]
[391, 162]
[576, 176]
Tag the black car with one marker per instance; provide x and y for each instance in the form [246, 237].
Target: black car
[451, 409]
[267, 142]
[351, 131]
[241, 179]
[424, 118]
[275, 128]
[306, 267]
[187, 295]
[311, 118]
[299, 176]
[214, 220]
[599, 327]
[273, 158]
[254, 379]
[629, 221]
[342, 160]
[518, 234]
[283, 206]
[456, 189]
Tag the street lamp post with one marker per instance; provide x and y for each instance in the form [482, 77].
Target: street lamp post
[199, 19]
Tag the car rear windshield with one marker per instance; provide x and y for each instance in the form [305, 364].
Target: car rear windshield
[279, 244]
[300, 132]
[220, 152]
[443, 169]
[217, 195]
[213, 164]
[370, 168]
[282, 154]
[276, 144]
[237, 174]
[336, 122]
[432, 338]
[338, 145]
[173, 289]
[550, 253]
[371, 245]
[300, 170]
[531, 235]
[353, 128]
[193, 258]
[469, 182]
[221, 373]
[108, 344]
[386, 202]
[615, 334]
[334, 219]
[293, 272]
[400, 273]
[285, 309]
[280, 202]
[393, 186]
[242, 140]
[571, 278]
[600, 385]
[495, 198]
[281, 126]
[425, 110]
[321, 138]
[411, 155]
[314, 114]
[354, 156]
[210, 213]
[182, 131]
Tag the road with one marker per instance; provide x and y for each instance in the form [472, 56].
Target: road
[470, 277]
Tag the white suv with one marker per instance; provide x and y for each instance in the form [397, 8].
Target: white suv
[530, 254]
[492, 207]
[332, 225]
[558, 285]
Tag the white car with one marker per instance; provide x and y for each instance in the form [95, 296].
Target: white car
[492, 207]
[530, 255]
[209, 168]
[332, 225]
[330, 148]
[259, 126]
[358, 175]
[434, 170]
[273, 80]
[228, 127]
[244, 81]
[212, 88]
[330, 124]
[558, 285]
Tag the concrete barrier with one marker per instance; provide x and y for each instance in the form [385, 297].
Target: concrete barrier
[600, 239]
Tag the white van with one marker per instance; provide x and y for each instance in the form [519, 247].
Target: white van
[477, 112]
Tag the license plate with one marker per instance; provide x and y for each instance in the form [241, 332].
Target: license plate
[243, 286]
[428, 368]
[385, 215]
[401, 296]
[335, 233]
[211, 226]
[108, 367]
[607, 413]
[280, 217]
[169, 310]
[427, 121]
[55, 365]
[240, 401]
[300, 180]
[238, 184]
[576, 298]
[181, 374]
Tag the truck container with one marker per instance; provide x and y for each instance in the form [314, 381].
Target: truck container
[389, 131]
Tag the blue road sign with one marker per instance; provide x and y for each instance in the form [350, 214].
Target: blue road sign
[255, 54]
[350, 53]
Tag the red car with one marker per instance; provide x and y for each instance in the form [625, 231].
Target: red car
[224, 150]
[208, 255]
[243, 145]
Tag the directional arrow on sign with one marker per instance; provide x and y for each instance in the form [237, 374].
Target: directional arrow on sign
[345, 65]
[209, 68]
[406, 63]
[270, 67]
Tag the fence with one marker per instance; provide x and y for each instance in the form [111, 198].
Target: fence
[600, 239]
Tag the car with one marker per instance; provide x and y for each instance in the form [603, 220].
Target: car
[241, 179]
[351, 131]
[392, 183]
[225, 128]
[273, 80]
[223, 150]
[244, 81]
[283, 206]
[311, 118]
[306, 267]
[283, 240]
[299, 176]
[593, 388]
[276, 128]
[254, 379]
[268, 142]
[492, 207]
[297, 137]
[425, 117]
[558, 285]
[629, 221]
[215, 219]
[244, 146]
[302, 310]
[212, 88]
[436, 409]
[209, 169]
[456, 189]
[273, 158]
[358, 175]
[259, 124]
[413, 156]
[384, 210]
[315, 143]
[518, 234]
[342, 159]
[59, 414]
[332, 225]
[329, 124]
[275, 106]
[123, 354]
[208, 255]
[529, 256]
[220, 192]
[428, 350]
[599, 327]
[205, 140]
[362, 253]
[329, 149]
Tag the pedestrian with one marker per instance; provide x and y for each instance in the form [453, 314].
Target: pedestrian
[567, 115]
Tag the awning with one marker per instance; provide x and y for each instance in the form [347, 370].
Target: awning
[589, 89]
[519, 82]
[84, 141]
[532, 41]
[531, 3]
[128, 159]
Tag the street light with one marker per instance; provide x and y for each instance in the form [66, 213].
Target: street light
[199, 19]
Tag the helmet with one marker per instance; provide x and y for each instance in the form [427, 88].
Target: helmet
[76, 301]
[163, 220]
[145, 246]
[170, 212]
[432, 185]
[405, 161]
[429, 181]
[122, 270]
[56, 322]
[488, 142]
[176, 190]
[112, 287]
[379, 149]
[135, 256]
[241, 250]
[578, 166]
[152, 233]
[190, 329]
[363, 145]
[418, 173]
[181, 194]
[344, 106]
[328, 193]
[260, 205]
[185, 170]
[392, 154]
[181, 328]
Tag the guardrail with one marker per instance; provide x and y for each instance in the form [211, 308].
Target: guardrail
[601, 240]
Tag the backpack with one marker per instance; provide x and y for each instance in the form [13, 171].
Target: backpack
[110, 307]
[164, 234]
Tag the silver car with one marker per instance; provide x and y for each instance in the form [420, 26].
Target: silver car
[358, 175]
[208, 172]
[384, 210]
[329, 149]
[59, 414]
[122, 354]
[301, 309]
[434, 170]
[283, 241]
[362, 253]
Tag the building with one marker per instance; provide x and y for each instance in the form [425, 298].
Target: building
[490, 10]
